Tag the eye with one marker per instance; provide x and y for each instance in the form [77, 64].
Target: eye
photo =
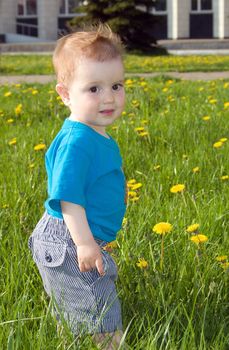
[117, 87]
[94, 89]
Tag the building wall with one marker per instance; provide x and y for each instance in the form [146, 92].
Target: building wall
[8, 11]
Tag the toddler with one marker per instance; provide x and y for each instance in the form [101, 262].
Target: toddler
[86, 187]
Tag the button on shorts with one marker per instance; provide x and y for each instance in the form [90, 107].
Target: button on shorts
[87, 301]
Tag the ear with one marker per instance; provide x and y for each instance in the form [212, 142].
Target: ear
[62, 91]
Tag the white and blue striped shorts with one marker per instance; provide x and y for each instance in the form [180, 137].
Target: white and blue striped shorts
[87, 301]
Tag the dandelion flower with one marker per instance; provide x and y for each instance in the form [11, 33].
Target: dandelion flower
[206, 117]
[8, 93]
[39, 147]
[110, 246]
[192, 228]
[224, 177]
[221, 258]
[226, 105]
[144, 133]
[218, 144]
[10, 121]
[18, 109]
[162, 227]
[131, 182]
[156, 167]
[212, 101]
[142, 263]
[136, 186]
[177, 188]
[199, 239]
[13, 141]
[196, 169]
[223, 139]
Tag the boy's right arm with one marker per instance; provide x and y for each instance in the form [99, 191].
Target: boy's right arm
[88, 251]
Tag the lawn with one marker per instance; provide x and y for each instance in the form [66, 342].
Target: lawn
[42, 64]
[173, 283]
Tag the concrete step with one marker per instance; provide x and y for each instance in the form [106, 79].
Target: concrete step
[27, 47]
[195, 44]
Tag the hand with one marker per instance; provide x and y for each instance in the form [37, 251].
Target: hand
[90, 257]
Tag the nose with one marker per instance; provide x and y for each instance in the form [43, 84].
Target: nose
[108, 97]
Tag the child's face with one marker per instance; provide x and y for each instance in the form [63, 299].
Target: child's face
[96, 95]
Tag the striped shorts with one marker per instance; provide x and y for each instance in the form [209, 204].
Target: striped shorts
[87, 301]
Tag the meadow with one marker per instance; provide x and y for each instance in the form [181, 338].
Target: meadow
[172, 252]
[134, 63]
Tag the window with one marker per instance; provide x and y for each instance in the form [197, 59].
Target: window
[201, 5]
[160, 6]
[67, 7]
[27, 7]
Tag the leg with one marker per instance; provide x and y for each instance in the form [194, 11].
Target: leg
[108, 341]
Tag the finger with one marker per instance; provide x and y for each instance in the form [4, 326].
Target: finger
[99, 266]
[82, 267]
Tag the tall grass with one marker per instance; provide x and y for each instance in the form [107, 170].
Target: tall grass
[184, 304]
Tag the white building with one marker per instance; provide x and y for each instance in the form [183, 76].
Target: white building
[43, 20]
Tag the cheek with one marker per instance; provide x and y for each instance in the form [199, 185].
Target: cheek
[121, 98]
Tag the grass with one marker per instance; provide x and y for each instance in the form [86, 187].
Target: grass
[181, 304]
[134, 63]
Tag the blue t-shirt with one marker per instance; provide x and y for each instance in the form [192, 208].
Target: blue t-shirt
[85, 168]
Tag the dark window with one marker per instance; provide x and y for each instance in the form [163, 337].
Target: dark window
[72, 4]
[206, 4]
[31, 7]
[20, 7]
[160, 5]
[62, 6]
[194, 5]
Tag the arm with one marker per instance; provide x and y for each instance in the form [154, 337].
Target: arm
[88, 251]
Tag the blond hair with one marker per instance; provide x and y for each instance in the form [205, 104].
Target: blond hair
[96, 42]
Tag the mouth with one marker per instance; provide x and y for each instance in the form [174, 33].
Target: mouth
[107, 111]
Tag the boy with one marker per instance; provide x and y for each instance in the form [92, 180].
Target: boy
[86, 186]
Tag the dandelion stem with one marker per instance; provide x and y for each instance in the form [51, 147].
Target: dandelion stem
[162, 252]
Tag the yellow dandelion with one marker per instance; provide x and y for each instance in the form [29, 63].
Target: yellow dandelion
[165, 89]
[144, 133]
[39, 147]
[218, 144]
[124, 113]
[132, 194]
[156, 167]
[226, 105]
[18, 109]
[13, 141]
[136, 186]
[225, 265]
[224, 177]
[206, 117]
[196, 169]
[10, 121]
[8, 93]
[31, 165]
[124, 221]
[177, 188]
[110, 246]
[143, 83]
[212, 101]
[142, 263]
[134, 199]
[162, 227]
[226, 85]
[222, 258]
[200, 238]
[201, 89]
[129, 81]
[131, 182]
[34, 92]
[192, 228]
[223, 139]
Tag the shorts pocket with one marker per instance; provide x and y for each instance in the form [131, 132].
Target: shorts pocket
[50, 254]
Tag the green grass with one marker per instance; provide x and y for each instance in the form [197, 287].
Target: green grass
[42, 64]
[184, 305]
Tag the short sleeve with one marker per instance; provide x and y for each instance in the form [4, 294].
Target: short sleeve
[69, 176]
